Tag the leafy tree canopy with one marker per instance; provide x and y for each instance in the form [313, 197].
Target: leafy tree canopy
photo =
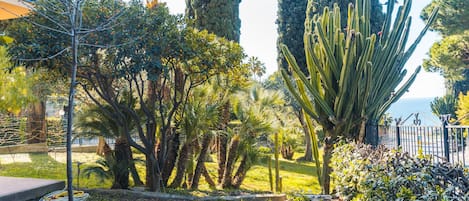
[452, 16]
[463, 109]
[15, 90]
[450, 56]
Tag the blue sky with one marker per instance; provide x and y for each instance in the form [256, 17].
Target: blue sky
[259, 38]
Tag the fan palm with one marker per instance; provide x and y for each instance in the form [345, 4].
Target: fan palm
[98, 122]
[198, 120]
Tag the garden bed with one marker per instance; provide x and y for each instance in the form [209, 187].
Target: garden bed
[110, 195]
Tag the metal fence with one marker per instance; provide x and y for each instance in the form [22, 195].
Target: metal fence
[13, 131]
[443, 143]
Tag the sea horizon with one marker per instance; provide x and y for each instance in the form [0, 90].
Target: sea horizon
[407, 107]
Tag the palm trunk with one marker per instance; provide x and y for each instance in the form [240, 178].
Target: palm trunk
[181, 165]
[241, 172]
[226, 183]
[121, 169]
[223, 141]
[200, 161]
[207, 177]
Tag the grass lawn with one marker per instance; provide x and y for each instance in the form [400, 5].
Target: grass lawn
[297, 176]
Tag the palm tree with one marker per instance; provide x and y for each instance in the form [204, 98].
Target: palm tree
[97, 122]
[250, 109]
[103, 170]
[198, 120]
[256, 67]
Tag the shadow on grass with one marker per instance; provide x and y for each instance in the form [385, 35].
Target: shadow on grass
[291, 166]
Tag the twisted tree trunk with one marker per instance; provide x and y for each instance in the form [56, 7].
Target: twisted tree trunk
[200, 161]
[171, 157]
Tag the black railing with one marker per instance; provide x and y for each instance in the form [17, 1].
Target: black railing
[442, 143]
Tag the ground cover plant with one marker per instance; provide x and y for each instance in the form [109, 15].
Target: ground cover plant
[364, 173]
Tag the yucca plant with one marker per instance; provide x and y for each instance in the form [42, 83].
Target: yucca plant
[353, 73]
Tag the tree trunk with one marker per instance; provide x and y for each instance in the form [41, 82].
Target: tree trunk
[327, 170]
[243, 168]
[230, 160]
[152, 176]
[207, 177]
[133, 169]
[36, 123]
[181, 165]
[100, 147]
[222, 141]
[171, 157]
[308, 143]
[371, 133]
[200, 161]
[121, 169]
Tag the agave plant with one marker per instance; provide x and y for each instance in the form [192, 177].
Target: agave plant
[353, 73]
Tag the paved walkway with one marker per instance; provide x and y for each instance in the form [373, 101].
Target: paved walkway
[20, 189]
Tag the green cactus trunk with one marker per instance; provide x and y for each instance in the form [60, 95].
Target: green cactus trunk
[354, 74]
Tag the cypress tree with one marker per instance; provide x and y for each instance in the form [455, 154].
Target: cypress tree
[220, 17]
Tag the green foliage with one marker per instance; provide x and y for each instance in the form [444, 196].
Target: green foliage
[463, 109]
[452, 17]
[220, 17]
[364, 173]
[43, 41]
[17, 84]
[444, 105]
[102, 170]
[449, 56]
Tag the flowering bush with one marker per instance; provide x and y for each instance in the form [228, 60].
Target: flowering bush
[364, 173]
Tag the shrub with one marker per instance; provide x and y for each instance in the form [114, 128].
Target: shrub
[364, 173]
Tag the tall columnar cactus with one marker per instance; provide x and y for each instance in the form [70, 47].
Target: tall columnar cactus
[353, 73]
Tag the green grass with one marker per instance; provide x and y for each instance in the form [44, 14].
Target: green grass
[51, 166]
[297, 176]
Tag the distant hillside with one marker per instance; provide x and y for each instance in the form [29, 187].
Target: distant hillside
[404, 107]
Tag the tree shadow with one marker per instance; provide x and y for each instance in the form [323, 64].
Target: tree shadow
[291, 166]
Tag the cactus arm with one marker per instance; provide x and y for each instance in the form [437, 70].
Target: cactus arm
[298, 98]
